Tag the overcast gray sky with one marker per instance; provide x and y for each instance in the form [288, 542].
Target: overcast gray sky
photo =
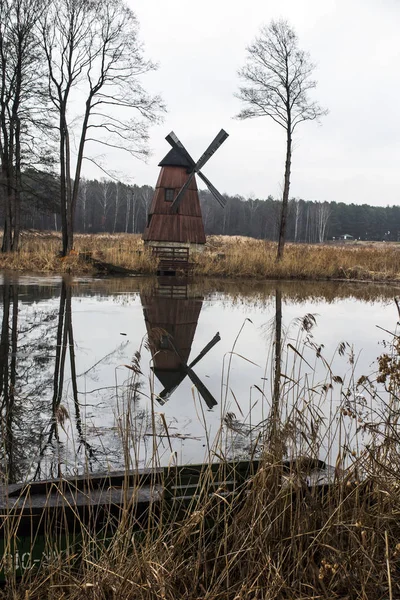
[352, 156]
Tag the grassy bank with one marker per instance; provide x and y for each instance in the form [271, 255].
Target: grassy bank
[40, 253]
[235, 257]
[245, 257]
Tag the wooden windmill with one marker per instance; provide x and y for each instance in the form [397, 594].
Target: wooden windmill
[175, 217]
[171, 322]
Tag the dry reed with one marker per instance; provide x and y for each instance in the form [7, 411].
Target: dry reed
[40, 253]
[224, 256]
[238, 256]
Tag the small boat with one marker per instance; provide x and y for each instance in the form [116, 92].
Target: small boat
[40, 521]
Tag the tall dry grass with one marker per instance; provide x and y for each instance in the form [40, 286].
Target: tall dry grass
[279, 537]
[238, 256]
[224, 256]
[40, 253]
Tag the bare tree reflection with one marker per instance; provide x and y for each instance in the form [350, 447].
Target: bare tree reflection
[25, 355]
[8, 377]
[278, 355]
[64, 344]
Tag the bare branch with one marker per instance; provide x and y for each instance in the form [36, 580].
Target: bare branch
[278, 74]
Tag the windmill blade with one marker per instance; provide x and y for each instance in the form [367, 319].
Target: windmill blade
[203, 391]
[207, 348]
[212, 148]
[181, 193]
[163, 396]
[166, 392]
[220, 199]
[173, 140]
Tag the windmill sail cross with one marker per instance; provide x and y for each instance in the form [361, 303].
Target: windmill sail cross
[166, 392]
[175, 142]
[212, 148]
[201, 388]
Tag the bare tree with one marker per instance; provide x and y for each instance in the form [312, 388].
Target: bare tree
[323, 215]
[20, 104]
[206, 211]
[227, 216]
[83, 190]
[116, 204]
[297, 216]
[95, 60]
[278, 78]
[311, 232]
[104, 198]
[252, 206]
[143, 198]
[129, 200]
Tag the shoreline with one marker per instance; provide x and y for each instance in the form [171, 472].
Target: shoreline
[227, 257]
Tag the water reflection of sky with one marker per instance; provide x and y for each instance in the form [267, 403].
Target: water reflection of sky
[109, 327]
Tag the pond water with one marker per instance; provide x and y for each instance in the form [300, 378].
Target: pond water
[97, 373]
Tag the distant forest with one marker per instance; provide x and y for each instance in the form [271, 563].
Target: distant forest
[109, 206]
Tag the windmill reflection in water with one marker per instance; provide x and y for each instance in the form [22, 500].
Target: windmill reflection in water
[171, 315]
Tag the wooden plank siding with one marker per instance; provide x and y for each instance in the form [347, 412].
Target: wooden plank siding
[185, 226]
[175, 228]
[190, 205]
[174, 177]
[178, 317]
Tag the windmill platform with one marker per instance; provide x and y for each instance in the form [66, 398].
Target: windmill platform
[173, 260]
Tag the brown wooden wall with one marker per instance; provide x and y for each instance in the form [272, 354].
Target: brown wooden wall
[178, 317]
[184, 226]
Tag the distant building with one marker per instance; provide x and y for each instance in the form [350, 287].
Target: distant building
[346, 236]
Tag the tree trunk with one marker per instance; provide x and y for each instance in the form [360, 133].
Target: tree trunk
[6, 246]
[63, 190]
[278, 351]
[73, 194]
[5, 167]
[134, 216]
[285, 197]
[17, 191]
[84, 207]
[297, 218]
[70, 206]
[5, 344]
[60, 350]
[128, 207]
[116, 208]
[275, 421]
[6, 183]
[12, 471]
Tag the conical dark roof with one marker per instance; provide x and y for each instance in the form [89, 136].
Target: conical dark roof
[175, 159]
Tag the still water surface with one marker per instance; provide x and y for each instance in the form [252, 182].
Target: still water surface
[94, 372]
